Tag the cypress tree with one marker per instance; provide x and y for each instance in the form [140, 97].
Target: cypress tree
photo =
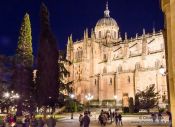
[22, 77]
[24, 49]
[47, 63]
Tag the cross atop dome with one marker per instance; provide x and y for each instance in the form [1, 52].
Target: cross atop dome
[106, 12]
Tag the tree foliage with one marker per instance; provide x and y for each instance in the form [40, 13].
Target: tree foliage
[148, 98]
[24, 49]
[137, 104]
[63, 72]
[22, 75]
[47, 63]
[131, 105]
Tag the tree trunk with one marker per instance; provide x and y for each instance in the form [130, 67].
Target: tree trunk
[19, 109]
[148, 111]
[44, 112]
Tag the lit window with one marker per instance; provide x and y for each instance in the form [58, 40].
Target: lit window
[104, 70]
[137, 66]
[110, 81]
[99, 34]
[129, 79]
[95, 82]
[119, 68]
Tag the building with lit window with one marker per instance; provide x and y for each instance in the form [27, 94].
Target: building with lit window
[113, 69]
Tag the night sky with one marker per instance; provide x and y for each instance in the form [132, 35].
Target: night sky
[73, 16]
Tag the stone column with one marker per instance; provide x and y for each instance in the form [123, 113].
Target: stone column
[98, 87]
[168, 7]
[114, 84]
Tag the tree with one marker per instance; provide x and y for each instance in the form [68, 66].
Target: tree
[148, 98]
[47, 74]
[136, 106]
[24, 49]
[131, 105]
[22, 76]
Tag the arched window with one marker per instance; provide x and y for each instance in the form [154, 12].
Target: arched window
[99, 34]
[107, 33]
[137, 66]
[104, 57]
[95, 81]
[104, 70]
[157, 64]
[129, 79]
[120, 68]
[110, 82]
[79, 54]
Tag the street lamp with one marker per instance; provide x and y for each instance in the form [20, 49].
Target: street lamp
[72, 97]
[10, 97]
[89, 97]
[6, 95]
[162, 70]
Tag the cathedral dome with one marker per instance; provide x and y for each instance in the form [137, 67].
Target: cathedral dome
[106, 21]
[106, 26]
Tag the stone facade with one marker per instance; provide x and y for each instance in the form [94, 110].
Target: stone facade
[168, 7]
[105, 65]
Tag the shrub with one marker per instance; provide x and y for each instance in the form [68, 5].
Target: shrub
[125, 109]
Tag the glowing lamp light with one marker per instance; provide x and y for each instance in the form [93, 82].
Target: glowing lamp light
[162, 70]
[72, 96]
[115, 96]
[6, 94]
[89, 96]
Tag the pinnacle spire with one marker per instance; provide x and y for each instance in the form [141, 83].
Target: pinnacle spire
[68, 41]
[154, 31]
[106, 12]
[126, 36]
[107, 5]
[143, 31]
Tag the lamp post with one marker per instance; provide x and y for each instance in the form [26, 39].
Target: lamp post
[10, 97]
[162, 70]
[89, 97]
[72, 97]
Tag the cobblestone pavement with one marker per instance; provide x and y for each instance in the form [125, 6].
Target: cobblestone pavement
[74, 123]
[131, 121]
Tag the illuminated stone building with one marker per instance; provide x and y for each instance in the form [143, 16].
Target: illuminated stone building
[168, 7]
[105, 65]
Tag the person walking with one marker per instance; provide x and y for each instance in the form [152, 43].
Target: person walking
[153, 115]
[33, 122]
[7, 120]
[27, 121]
[40, 122]
[110, 115]
[81, 120]
[159, 117]
[86, 120]
[116, 118]
[105, 118]
[100, 119]
[170, 118]
[51, 122]
[120, 120]
[23, 121]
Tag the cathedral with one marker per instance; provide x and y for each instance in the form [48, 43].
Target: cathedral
[107, 69]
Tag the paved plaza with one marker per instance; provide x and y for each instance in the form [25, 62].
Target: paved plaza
[128, 121]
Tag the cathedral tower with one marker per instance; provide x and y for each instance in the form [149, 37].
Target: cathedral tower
[107, 27]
